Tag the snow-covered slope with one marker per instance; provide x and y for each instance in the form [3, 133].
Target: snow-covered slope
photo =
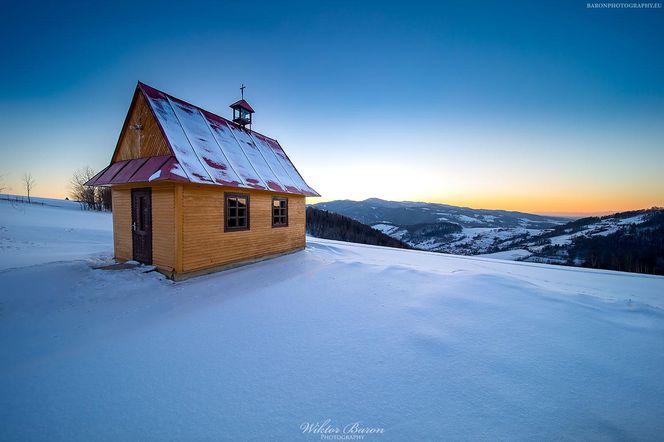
[421, 345]
[50, 230]
[39, 201]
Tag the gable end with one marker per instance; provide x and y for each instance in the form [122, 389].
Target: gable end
[140, 143]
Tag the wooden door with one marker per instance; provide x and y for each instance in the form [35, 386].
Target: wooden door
[141, 224]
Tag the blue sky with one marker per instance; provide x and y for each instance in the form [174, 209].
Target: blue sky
[537, 106]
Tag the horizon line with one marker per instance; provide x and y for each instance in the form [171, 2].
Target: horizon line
[563, 214]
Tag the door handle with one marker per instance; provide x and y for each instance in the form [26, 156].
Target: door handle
[133, 226]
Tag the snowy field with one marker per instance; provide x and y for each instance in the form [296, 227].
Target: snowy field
[52, 230]
[421, 345]
[510, 255]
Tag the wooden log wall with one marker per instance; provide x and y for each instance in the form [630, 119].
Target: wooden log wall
[188, 227]
[206, 244]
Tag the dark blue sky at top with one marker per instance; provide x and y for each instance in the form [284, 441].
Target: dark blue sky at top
[74, 65]
[525, 54]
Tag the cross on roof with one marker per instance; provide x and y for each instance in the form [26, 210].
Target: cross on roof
[242, 90]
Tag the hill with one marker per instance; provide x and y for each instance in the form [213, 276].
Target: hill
[629, 241]
[328, 225]
[375, 210]
[449, 229]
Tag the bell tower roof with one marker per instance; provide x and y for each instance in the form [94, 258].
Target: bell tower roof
[242, 104]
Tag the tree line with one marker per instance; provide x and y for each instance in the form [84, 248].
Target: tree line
[328, 225]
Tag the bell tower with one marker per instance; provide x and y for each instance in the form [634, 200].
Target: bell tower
[242, 111]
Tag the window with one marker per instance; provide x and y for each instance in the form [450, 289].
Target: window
[279, 212]
[237, 211]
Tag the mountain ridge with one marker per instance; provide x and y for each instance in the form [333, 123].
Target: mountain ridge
[630, 241]
[390, 203]
[431, 226]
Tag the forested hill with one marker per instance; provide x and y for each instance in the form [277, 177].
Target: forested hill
[634, 248]
[328, 225]
[627, 241]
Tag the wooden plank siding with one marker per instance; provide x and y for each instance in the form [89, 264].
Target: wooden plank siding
[188, 227]
[148, 142]
[206, 245]
[163, 227]
[121, 199]
[179, 221]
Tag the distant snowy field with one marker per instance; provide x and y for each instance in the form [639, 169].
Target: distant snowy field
[424, 345]
[54, 230]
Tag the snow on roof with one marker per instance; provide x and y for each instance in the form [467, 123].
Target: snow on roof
[208, 149]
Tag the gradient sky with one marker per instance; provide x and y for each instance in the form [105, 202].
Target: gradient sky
[544, 107]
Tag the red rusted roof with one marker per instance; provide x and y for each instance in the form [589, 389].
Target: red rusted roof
[207, 149]
[139, 171]
[242, 103]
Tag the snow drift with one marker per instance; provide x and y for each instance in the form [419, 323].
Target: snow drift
[422, 345]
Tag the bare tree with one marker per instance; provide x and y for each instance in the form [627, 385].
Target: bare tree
[29, 183]
[2, 184]
[82, 193]
[92, 198]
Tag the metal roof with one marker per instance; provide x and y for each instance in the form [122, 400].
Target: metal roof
[207, 149]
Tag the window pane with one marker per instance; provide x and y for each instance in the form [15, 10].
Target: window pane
[237, 212]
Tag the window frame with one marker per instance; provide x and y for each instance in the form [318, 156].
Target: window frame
[279, 198]
[228, 195]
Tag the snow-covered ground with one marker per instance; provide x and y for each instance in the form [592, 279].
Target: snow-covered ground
[422, 345]
[470, 241]
[53, 230]
[510, 255]
[385, 228]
